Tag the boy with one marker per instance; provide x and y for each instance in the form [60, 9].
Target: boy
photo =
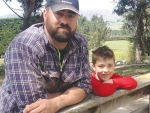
[104, 81]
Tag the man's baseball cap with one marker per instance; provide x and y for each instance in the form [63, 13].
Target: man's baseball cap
[57, 5]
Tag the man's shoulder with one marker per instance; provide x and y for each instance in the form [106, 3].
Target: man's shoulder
[31, 35]
[35, 29]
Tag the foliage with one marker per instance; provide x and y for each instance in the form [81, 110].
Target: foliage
[95, 30]
[8, 30]
[130, 55]
[2, 72]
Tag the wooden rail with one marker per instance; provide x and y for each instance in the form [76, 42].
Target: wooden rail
[97, 104]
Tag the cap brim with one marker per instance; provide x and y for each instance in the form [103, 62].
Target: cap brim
[58, 7]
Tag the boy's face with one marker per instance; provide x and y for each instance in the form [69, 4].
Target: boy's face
[104, 68]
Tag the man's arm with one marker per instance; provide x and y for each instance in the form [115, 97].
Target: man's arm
[69, 97]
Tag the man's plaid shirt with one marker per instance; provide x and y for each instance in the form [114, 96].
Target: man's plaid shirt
[32, 69]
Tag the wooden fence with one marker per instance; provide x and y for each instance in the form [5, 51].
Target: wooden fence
[96, 104]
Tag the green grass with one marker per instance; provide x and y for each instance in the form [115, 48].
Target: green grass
[1, 61]
[1, 70]
[119, 47]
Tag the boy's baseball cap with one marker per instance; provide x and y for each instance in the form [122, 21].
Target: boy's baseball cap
[57, 5]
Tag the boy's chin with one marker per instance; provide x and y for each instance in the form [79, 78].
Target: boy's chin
[105, 79]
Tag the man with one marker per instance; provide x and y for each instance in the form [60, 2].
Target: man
[46, 66]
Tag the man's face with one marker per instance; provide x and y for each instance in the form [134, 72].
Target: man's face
[104, 68]
[61, 25]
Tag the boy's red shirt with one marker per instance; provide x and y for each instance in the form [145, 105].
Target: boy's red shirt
[107, 89]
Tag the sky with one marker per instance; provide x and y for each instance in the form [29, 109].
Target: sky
[83, 5]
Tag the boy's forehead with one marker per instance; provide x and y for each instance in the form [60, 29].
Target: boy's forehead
[105, 59]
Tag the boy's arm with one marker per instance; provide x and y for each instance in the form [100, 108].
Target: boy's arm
[125, 82]
[103, 89]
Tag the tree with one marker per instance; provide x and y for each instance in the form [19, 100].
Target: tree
[84, 27]
[134, 12]
[9, 28]
[95, 30]
[31, 8]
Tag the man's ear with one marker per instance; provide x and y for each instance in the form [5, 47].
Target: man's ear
[44, 13]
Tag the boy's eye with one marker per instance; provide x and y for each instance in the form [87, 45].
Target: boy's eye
[110, 65]
[101, 66]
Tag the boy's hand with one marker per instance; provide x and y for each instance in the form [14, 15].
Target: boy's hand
[109, 81]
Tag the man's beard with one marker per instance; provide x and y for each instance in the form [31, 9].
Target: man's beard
[62, 36]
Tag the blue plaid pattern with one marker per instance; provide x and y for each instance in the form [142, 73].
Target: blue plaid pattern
[32, 69]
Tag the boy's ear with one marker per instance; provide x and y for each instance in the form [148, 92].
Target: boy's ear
[93, 66]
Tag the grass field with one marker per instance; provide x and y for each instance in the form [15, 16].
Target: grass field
[1, 69]
[1, 61]
[120, 48]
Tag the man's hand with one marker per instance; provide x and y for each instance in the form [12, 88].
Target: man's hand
[41, 106]
[109, 81]
[56, 101]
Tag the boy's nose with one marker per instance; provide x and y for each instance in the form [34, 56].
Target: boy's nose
[105, 69]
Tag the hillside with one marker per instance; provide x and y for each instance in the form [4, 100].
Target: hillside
[108, 15]
[9, 16]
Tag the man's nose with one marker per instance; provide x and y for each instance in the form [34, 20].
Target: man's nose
[64, 19]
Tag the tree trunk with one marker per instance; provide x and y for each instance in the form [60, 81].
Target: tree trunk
[29, 9]
[138, 39]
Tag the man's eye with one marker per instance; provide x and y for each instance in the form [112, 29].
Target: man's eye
[58, 13]
[71, 16]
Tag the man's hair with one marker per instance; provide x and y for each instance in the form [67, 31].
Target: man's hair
[104, 52]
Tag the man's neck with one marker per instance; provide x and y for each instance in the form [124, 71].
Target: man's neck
[58, 45]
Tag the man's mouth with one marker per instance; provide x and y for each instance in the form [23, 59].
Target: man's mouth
[64, 28]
